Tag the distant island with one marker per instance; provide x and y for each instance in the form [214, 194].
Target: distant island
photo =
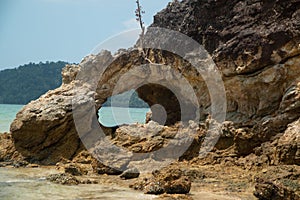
[28, 82]
[127, 99]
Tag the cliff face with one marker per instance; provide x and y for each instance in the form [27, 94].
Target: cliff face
[242, 36]
[255, 45]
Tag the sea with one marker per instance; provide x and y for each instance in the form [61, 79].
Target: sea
[112, 116]
[108, 116]
[7, 115]
[27, 183]
[31, 184]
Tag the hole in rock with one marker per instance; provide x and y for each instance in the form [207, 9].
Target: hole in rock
[165, 106]
[125, 108]
[132, 106]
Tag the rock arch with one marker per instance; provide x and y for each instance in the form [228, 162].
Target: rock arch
[259, 66]
[44, 129]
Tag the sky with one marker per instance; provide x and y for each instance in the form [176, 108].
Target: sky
[66, 30]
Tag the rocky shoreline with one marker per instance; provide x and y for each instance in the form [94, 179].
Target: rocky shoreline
[220, 175]
[213, 181]
[254, 44]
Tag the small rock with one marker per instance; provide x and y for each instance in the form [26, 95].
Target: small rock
[179, 186]
[154, 188]
[89, 181]
[148, 117]
[130, 174]
[18, 164]
[99, 168]
[72, 169]
[64, 179]
[5, 164]
[32, 166]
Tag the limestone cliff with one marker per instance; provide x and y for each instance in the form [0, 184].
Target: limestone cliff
[255, 45]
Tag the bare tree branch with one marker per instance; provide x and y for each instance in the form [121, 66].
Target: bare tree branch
[138, 13]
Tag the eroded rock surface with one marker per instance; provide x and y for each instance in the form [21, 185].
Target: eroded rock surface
[8, 153]
[170, 181]
[278, 184]
[254, 44]
[130, 174]
[64, 179]
[44, 129]
[7, 148]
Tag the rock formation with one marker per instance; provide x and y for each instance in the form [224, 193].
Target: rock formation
[8, 153]
[255, 45]
[170, 181]
[44, 129]
[278, 184]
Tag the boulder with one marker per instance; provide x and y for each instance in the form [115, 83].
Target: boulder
[288, 147]
[44, 131]
[167, 180]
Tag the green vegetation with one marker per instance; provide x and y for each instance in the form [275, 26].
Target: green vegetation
[126, 99]
[29, 82]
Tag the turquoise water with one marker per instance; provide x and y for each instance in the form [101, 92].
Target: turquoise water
[112, 116]
[108, 116]
[19, 184]
[31, 184]
[7, 115]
